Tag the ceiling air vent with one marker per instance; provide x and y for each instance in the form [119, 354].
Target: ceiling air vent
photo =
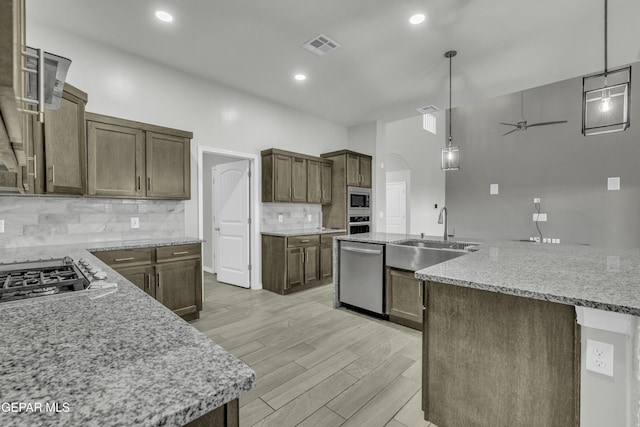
[429, 109]
[321, 45]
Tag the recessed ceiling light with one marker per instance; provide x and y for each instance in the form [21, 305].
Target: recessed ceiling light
[164, 16]
[300, 77]
[417, 19]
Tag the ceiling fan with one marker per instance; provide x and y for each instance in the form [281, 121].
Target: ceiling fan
[522, 124]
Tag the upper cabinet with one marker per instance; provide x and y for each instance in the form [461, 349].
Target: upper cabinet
[295, 178]
[137, 160]
[358, 170]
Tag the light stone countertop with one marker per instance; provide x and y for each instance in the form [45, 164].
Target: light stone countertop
[601, 278]
[303, 232]
[117, 358]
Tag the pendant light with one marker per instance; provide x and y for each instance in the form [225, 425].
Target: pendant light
[450, 155]
[606, 97]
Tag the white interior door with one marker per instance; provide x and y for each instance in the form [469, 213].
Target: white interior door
[232, 223]
[397, 207]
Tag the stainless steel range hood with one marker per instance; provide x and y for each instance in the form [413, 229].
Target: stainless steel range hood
[40, 86]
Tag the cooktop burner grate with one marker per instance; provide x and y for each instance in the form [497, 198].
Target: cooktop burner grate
[39, 278]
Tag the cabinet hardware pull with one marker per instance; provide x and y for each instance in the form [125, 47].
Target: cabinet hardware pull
[138, 183]
[148, 284]
[305, 241]
[180, 253]
[158, 276]
[149, 184]
[53, 173]
[124, 259]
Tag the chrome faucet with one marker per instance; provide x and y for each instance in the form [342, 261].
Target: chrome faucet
[443, 213]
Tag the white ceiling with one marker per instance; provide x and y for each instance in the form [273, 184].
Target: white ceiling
[385, 68]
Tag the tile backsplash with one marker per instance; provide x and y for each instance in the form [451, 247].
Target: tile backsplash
[294, 216]
[38, 221]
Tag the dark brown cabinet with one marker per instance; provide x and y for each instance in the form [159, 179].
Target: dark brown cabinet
[299, 180]
[404, 298]
[314, 182]
[348, 169]
[137, 160]
[293, 263]
[170, 274]
[296, 178]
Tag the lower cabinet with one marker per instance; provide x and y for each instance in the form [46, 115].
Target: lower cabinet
[404, 298]
[170, 274]
[294, 263]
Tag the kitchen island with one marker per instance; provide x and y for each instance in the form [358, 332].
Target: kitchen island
[110, 358]
[502, 336]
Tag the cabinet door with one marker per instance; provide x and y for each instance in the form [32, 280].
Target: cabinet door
[326, 261]
[327, 170]
[168, 162]
[141, 276]
[65, 147]
[365, 172]
[353, 170]
[311, 264]
[295, 269]
[282, 175]
[314, 182]
[404, 297]
[299, 180]
[176, 286]
[116, 160]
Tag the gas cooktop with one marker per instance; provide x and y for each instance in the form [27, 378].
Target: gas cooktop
[39, 278]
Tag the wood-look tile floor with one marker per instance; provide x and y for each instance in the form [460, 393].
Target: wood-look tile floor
[315, 365]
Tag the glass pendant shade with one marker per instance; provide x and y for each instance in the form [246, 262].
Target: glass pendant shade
[606, 102]
[451, 158]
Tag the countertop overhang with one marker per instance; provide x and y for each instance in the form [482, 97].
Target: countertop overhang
[115, 358]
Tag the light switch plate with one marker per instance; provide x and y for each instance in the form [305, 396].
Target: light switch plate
[135, 222]
[280, 218]
[613, 183]
[493, 189]
[540, 217]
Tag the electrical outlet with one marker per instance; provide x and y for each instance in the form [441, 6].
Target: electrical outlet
[536, 200]
[309, 217]
[280, 218]
[1, 225]
[135, 222]
[493, 189]
[540, 217]
[599, 357]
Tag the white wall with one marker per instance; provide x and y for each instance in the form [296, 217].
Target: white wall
[127, 86]
[407, 140]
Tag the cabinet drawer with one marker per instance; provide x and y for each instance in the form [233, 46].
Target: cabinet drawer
[177, 252]
[295, 241]
[328, 238]
[141, 256]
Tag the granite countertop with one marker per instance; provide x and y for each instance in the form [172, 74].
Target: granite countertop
[600, 278]
[303, 232]
[111, 358]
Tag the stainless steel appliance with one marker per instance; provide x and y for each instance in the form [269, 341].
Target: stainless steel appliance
[362, 276]
[358, 200]
[31, 279]
[358, 210]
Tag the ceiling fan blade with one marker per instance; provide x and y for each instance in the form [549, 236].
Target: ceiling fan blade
[546, 123]
[508, 124]
[511, 131]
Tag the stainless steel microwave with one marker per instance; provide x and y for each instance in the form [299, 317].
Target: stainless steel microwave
[358, 199]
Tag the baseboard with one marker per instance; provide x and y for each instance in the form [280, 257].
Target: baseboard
[208, 269]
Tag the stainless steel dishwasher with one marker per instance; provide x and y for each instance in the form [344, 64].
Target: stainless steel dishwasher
[362, 275]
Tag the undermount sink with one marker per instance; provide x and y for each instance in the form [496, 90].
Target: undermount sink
[414, 254]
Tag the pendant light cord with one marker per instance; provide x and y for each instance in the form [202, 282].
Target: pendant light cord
[450, 110]
[605, 38]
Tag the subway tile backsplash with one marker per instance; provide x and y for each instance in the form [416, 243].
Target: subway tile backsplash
[38, 221]
[294, 216]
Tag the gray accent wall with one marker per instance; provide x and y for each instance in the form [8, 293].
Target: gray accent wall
[556, 163]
